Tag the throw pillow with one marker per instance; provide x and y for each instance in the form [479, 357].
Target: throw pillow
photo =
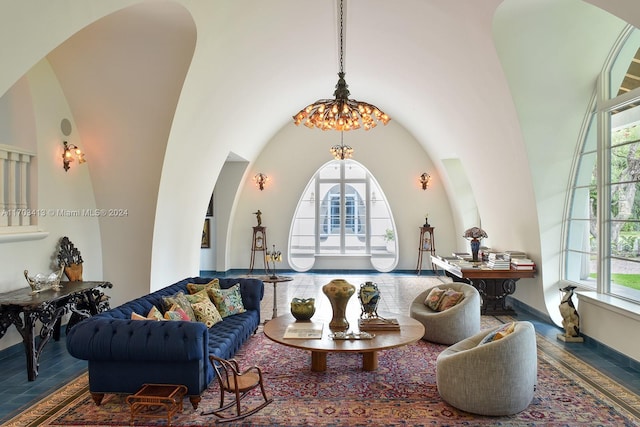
[228, 301]
[154, 314]
[499, 333]
[194, 288]
[433, 299]
[136, 316]
[206, 313]
[450, 297]
[181, 301]
[176, 313]
[198, 297]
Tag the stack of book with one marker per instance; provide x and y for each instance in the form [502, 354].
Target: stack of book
[498, 261]
[516, 254]
[378, 324]
[522, 264]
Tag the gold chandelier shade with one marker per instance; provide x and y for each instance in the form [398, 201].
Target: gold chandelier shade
[341, 113]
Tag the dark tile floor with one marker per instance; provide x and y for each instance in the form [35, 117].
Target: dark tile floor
[57, 367]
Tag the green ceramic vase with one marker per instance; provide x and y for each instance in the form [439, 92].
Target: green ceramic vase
[303, 309]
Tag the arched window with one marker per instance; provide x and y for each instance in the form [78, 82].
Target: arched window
[343, 212]
[602, 249]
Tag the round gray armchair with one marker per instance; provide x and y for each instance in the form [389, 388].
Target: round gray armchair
[453, 324]
[486, 376]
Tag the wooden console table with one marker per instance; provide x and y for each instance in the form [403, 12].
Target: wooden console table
[493, 285]
[21, 309]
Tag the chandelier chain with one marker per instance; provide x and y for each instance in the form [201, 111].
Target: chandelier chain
[341, 113]
[341, 36]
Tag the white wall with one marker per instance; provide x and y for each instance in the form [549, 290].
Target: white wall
[389, 152]
[57, 190]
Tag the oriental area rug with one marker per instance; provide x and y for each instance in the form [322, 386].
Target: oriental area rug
[401, 392]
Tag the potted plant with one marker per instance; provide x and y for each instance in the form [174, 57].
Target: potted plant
[69, 257]
[390, 237]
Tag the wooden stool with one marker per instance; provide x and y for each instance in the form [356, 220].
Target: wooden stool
[151, 396]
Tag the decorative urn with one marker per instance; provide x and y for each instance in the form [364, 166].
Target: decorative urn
[369, 296]
[339, 291]
[303, 309]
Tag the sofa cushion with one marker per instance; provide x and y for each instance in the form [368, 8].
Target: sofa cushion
[194, 288]
[228, 301]
[206, 312]
[176, 313]
[154, 314]
[181, 301]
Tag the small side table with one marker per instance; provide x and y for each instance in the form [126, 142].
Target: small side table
[152, 396]
[275, 280]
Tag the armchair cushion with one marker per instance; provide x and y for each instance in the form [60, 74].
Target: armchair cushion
[449, 299]
[499, 333]
[451, 325]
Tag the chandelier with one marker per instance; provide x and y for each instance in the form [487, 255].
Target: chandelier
[341, 113]
[341, 151]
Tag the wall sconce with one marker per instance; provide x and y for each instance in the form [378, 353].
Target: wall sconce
[71, 151]
[425, 178]
[261, 179]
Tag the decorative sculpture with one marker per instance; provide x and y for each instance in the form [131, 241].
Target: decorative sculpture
[570, 317]
[369, 296]
[258, 215]
[69, 257]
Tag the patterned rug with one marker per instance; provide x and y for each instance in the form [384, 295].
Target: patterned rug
[401, 392]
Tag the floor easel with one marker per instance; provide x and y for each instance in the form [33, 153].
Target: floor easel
[427, 244]
[259, 244]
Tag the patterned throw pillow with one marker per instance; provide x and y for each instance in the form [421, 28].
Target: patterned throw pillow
[194, 288]
[181, 301]
[499, 333]
[228, 301]
[176, 313]
[433, 299]
[136, 316]
[198, 297]
[450, 297]
[154, 314]
[206, 313]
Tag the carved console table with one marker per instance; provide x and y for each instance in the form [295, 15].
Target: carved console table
[23, 310]
[493, 285]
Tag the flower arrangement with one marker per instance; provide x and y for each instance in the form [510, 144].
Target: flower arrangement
[475, 233]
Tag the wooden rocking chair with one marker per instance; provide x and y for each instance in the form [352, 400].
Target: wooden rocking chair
[232, 380]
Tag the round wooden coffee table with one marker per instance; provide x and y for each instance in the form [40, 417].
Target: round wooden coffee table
[410, 331]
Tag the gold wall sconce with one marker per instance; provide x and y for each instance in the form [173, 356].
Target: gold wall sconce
[261, 180]
[425, 178]
[71, 153]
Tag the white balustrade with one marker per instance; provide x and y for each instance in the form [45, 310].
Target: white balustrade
[15, 206]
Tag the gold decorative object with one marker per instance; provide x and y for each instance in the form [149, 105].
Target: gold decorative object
[40, 282]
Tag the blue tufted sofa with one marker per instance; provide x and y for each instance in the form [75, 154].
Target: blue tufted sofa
[123, 354]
